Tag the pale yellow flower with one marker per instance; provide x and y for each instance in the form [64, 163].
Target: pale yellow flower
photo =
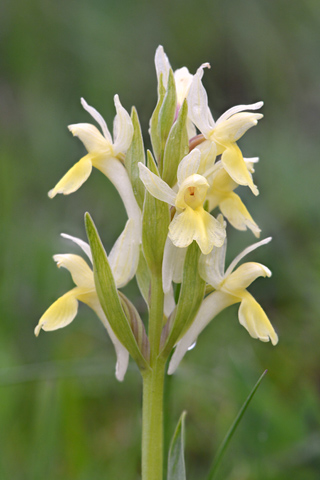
[191, 221]
[123, 262]
[230, 287]
[225, 132]
[221, 194]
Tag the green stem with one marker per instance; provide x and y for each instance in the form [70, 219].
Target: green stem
[152, 422]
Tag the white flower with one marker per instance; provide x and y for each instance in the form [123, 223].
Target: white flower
[123, 262]
[225, 132]
[231, 287]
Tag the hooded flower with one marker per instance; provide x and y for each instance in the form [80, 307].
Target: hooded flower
[183, 79]
[231, 287]
[225, 132]
[105, 155]
[123, 262]
[191, 221]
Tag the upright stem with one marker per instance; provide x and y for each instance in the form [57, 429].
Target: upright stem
[153, 384]
[152, 422]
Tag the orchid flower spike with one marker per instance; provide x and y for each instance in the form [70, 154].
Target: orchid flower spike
[123, 262]
[231, 287]
[191, 221]
[225, 132]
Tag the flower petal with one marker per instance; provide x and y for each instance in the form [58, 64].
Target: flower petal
[98, 118]
[113, 169]
[237, 214]
[156, 186]
[172, 265]
[83, 245]
[74, 178]
[122, 129]
[211, 306]
[124, 256]
[81, 274]
[253, 318]
[162, 65]
[91, 138]
[245, 252]
[232, 129]
[211, 266]
[196, 225]
[239, 108]
[234, 164]
[198, 104]
[241, 278]
[91, 299]
[183, 80]
[188, 165]
[60, 313]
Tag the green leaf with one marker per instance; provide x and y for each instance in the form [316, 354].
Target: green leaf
[134, 155]
[154, 130]
[143, 277]
[177, 146]
[176, 465]
[166, 115]
[232, 429]
[108, 295]
[155, 222]
[190, 298]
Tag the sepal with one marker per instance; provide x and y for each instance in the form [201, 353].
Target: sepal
[154, 134]
[177, 146]
[166, 116]
[155, 222]
[134, 155]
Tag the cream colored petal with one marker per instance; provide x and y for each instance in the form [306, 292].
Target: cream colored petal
[91, 138]
[172, 265]
[243, 276]
[83, 245]
[156, 186]
[188, 165]
[255, 321]
[208, 151]
[232, 129]
[237, 214]
[237, 109]
[91, 299]
[198, 109]
[124, 256]
[98, 118]
[74, 178]
[60, 314]
[162, 65]
[81, 274]
[234, 164]
[122, 129]
[183, 80]
[245, 252]
[196, 225]
[118, 175]
[211, 306]
[211, 266]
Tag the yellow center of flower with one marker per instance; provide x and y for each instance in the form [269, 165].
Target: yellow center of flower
[192, 192]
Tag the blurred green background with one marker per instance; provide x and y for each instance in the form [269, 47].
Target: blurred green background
[62, 413]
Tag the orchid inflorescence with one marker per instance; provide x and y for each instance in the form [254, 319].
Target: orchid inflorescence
[173, 232]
